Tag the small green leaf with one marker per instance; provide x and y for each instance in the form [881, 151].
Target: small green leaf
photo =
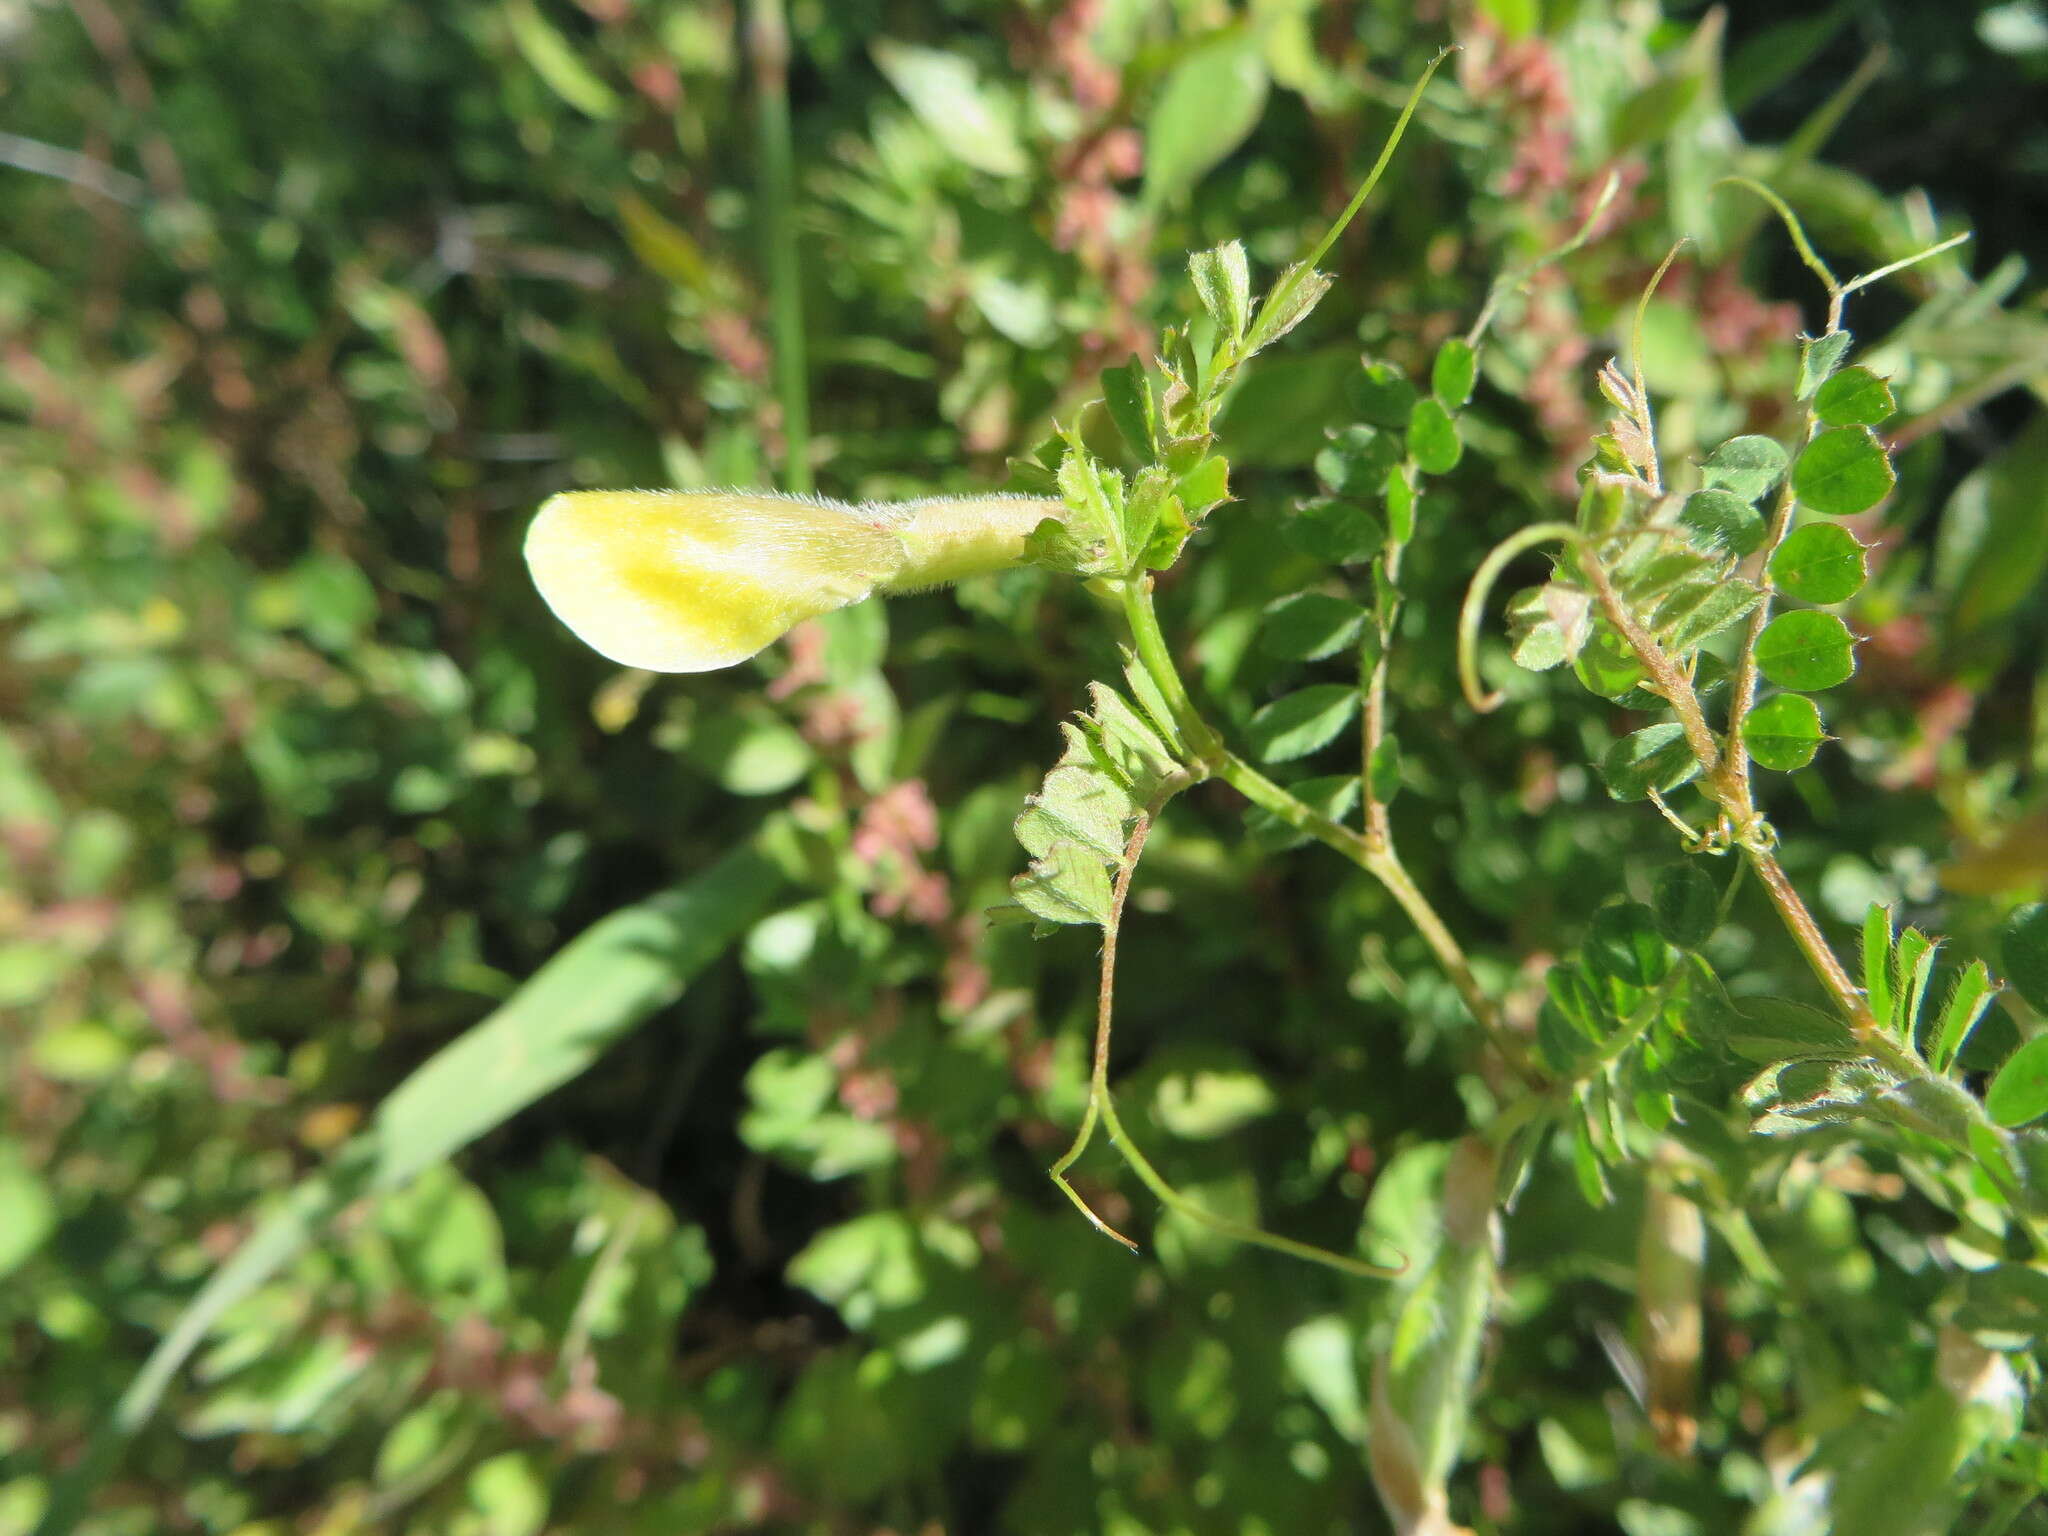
[1783, 732]
[1820, 356]
[1606, 665]
[1223, 281]
[509, 1495]
[1152, 704]
[418, 1437]
[1966, 1004]
[1433, 439]
[2023, 947]
[1094, 495]
[1381, 394]
[1124, 743]
[1357, 461]
[1208, 106]
[1723, 520]
[1688, 625]
[1335, 532]
[1146, 506]
[1127, 392]
[28, 1213]
[1287, 303]
[1855, 397]
[1400, 505]
[1655, 757]
[1744, 466]
[1079, 804]
[1201, 1104]
[1684, 904]
[1806, 650]
[1587, 1167]
[1626, 944]
[1548, 624]
[1643, 575]
[1914, 969]
[1777, 1029]
[1205, 486]
[1302, 722]
[1843, 471]
[2020, 1091]
[558, 63]
[1877, 960]
[1383, 770]
[1453, 374]
[1065, 884]
[1820, 563]
[1307, 626]
[2007, 1298]
[969, 118]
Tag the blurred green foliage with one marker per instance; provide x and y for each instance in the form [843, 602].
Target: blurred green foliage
[306, 306]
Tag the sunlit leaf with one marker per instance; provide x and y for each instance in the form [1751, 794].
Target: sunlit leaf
[966, 116]
[1723, 520]
[1855, 397]
[1783, 732]
[1654, 758]
[1452, 375]
[1211, 101]
[1745, 467]
[1843, 471]
[1806, 650]
[1433, 438]
[2019, 1093]
[2023, 948]
[1302, 722]
[1820, 563]
[1307, 626]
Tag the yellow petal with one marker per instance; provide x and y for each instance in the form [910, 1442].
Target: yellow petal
[686, 581]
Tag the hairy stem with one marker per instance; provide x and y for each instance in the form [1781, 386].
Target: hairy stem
[1847, 997]
[1665, 675]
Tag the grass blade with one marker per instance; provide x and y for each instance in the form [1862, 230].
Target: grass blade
[603, 984]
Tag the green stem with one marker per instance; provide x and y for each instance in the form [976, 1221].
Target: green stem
[768, 36]
[1380, 862]
[1379, 833]
[1239, 1231]
[1150, 644]
[1105, 999]
[1102, 1108]
[1379, 166]
[1297, 273]
[1385, 866]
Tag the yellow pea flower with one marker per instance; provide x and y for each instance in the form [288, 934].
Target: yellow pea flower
[688, 581]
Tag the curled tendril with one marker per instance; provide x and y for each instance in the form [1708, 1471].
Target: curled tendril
[1497, 560]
